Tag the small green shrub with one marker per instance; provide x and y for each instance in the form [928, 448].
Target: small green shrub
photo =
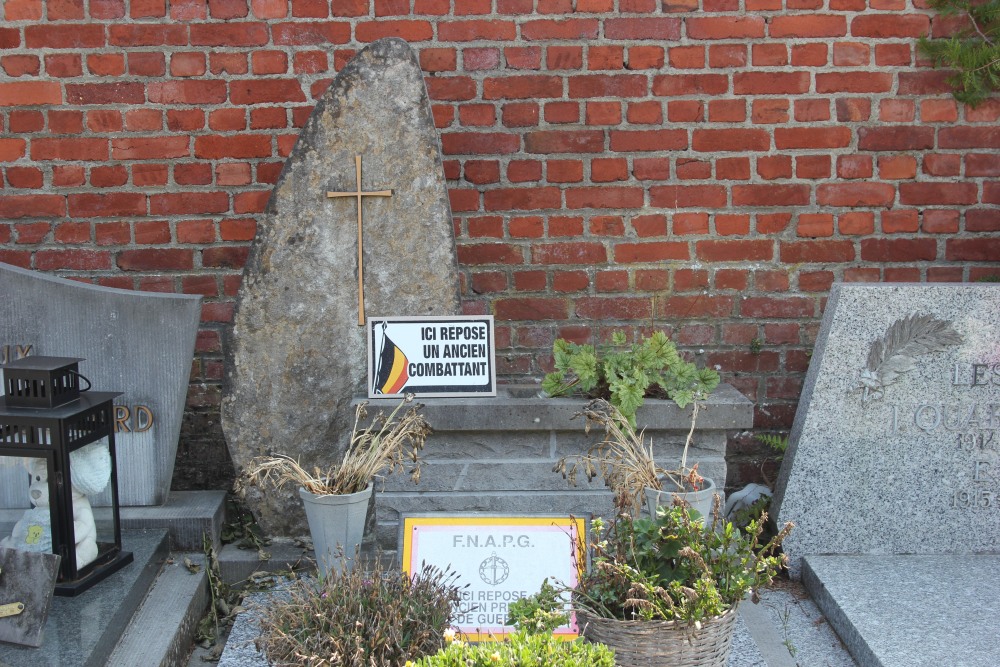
[521, 649]
[373, 617]
[626, 376]
[541, 612]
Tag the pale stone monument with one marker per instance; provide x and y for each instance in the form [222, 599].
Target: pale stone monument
[139, 343]
[892, 475]
[358, 223]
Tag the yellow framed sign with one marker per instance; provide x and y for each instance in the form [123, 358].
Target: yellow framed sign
[500, 558]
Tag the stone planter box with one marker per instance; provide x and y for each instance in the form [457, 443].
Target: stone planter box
[495, 455]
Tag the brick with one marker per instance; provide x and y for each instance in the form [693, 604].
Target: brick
[644, 57]
[21, 65]
[812, 137]
[770, 111]
[936, 193]
[732, 225]
[896, 167]
[900, 138]
[789, 307]
[522, 87]
[693, 169]
[690, 223]
[855, 194]
[524, 171]
[690, 84]
[604, 197]
[606, 57]
[607, 85]
[734, 250]
[452, 88]
[564, 57]
[982, 220]
[853, 82]
[466, 143]
[770, 195]
[24, 177]
[564, 141]
[569, 253]
[711, 141]
[32, 206]
[770, 83]
[106, 177]
[262, 91]
[149, 148]
[411, 31]
[30, 93]
[564, 171]
[242, 146]
[482, 171]
[64, 36]
[613, 308]
[688, 196]
[725, 27]
[969, 137]
[473, 30]
[63, 65]
[530, 309]
[666, 28]
[113, 204]
[522, 199]
[69, 149]
[900, 221]
[12, 149]
[815, 281]
[727, 55]
[237, 229]
[629, 141]
[851, 54]
[653, 251]
[733, 169]
[645, 113]
[898, 250]
[696, 306]
[937, 221]
[231, 34]
[65, 122]
[815, 225]
[976, 164]
[605, 170]
[890, 25]
[808, 25]
[855, 166]
[158, 259]
[972, 250]
[141, 34]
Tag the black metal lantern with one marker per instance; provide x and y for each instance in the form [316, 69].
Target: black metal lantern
[66, 439]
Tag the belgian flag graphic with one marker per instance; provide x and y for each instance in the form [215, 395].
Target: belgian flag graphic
[391, 374]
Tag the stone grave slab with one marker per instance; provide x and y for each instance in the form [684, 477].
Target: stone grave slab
[139, 343]
[296, 354]
[27, 581]
[894, 448]
[911, 611]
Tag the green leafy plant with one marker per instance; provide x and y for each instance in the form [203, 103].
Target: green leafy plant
[368, 617]
[521, 649]
[778, 443]
[625, 460]
[626, 375]
[973, 51]
[675, 567]
[382, 447]
[541, 612]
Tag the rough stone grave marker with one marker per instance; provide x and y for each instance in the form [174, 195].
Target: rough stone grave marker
[139, 343]
[296, 356]
[894, 461]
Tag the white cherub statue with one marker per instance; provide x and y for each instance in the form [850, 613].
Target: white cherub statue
[33, 532]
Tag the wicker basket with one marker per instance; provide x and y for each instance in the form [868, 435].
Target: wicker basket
[663, 643]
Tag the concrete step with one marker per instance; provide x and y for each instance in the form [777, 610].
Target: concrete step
[161, 632]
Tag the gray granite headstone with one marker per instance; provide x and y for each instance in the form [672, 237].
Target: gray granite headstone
[138, 343]
[894, 448]
[296, 355]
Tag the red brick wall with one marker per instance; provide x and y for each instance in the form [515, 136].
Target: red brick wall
[613, 163]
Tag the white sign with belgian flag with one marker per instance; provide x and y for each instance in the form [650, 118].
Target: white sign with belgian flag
[431, 356]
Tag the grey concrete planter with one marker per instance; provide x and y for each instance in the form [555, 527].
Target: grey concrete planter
[496, 455]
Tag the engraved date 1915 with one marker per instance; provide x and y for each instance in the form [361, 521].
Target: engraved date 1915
[970, 499]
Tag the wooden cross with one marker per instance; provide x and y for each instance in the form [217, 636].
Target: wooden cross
[361, 268]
